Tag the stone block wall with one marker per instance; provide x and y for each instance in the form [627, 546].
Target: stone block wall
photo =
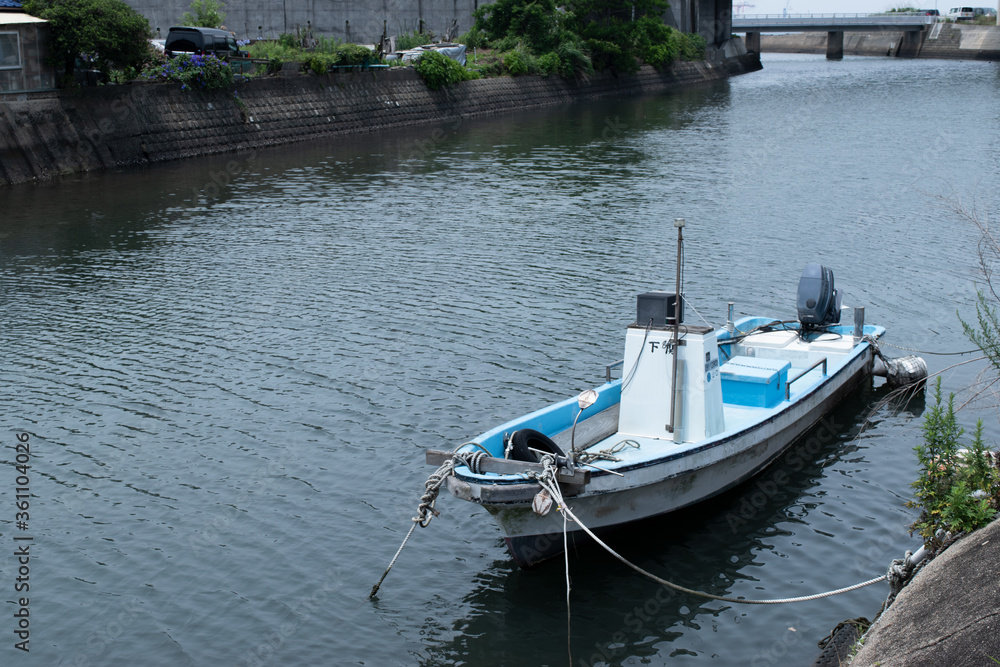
[45, 135]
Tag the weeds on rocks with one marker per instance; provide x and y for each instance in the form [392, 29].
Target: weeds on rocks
[959, 488]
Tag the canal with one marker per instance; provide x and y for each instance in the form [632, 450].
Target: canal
[228, 370]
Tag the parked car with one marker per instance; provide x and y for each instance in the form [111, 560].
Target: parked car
[984, 11]
[929, 12]
[201, 41]
[961, 13]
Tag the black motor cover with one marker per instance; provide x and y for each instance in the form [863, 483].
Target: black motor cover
[818, 303]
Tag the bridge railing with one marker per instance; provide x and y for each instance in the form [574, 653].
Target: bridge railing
[790, 20]
[828, 16]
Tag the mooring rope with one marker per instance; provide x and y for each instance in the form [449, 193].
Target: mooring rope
[425, 510]
[547, 481]
[940, 354]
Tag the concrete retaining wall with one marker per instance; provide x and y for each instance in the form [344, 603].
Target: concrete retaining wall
[943, 40]
[43, 135]
[362, 21]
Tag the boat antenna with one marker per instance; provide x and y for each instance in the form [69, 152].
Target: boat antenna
[679, 224]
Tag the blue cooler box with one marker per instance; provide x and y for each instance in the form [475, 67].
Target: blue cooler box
[757, 383]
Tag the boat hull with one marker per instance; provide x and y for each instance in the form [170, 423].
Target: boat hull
[671, 483]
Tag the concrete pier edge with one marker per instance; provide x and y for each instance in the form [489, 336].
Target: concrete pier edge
[949, 614]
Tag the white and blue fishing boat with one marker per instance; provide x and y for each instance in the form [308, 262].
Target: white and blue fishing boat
[696, 411]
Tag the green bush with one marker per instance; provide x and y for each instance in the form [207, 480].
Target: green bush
[693, 46]
[473, 39]
[549, 63]
[412, 40]
[207, 14]
[537, 22]
[607, 54]
[519, 61]
[269, 50]
[958, 489]
[438, 70]
[344, 55]
[573, 60]
[193, 72]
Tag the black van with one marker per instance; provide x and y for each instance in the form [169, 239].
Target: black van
[202, 41]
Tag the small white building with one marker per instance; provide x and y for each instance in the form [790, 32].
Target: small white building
[24, 42]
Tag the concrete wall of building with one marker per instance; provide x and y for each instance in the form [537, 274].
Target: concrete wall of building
[362, 21]
[68, 131]
[359, 21]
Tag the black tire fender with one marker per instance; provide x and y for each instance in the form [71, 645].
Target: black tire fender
[526, 439]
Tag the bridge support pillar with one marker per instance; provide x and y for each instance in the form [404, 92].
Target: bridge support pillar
[753, 42]
[912, 43]
[835, 45]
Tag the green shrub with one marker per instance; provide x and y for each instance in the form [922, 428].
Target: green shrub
[958, 490]
[574, 63]
[354, 54]
[519, 61]
[345, 55]
[692, 46]
[405, 41]
[270, 50]
[536, 22]
[327, 44]
[207, 14]
[609, 55]
[473, 39]
[193, 72]
[289, 41]
[549, 63]
[438, 70]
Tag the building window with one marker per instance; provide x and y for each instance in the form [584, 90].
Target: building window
[10, 51]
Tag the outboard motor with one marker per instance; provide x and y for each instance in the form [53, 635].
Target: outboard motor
[818, 302]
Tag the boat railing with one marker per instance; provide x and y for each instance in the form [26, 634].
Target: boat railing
[788, 385]
[610, 367]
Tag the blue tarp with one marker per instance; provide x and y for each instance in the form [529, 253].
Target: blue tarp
[13, 4]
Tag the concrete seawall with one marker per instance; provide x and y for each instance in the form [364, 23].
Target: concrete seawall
[45, 135]
[943, 40]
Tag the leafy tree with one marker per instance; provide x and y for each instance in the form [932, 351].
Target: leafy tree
[107, 32]
[207, 14]
[534, 21]
[583, 35]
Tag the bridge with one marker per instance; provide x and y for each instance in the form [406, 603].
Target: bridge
[834, 25]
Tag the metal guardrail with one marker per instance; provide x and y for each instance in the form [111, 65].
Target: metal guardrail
[788, 385]
[610, 367]
[815, 20]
